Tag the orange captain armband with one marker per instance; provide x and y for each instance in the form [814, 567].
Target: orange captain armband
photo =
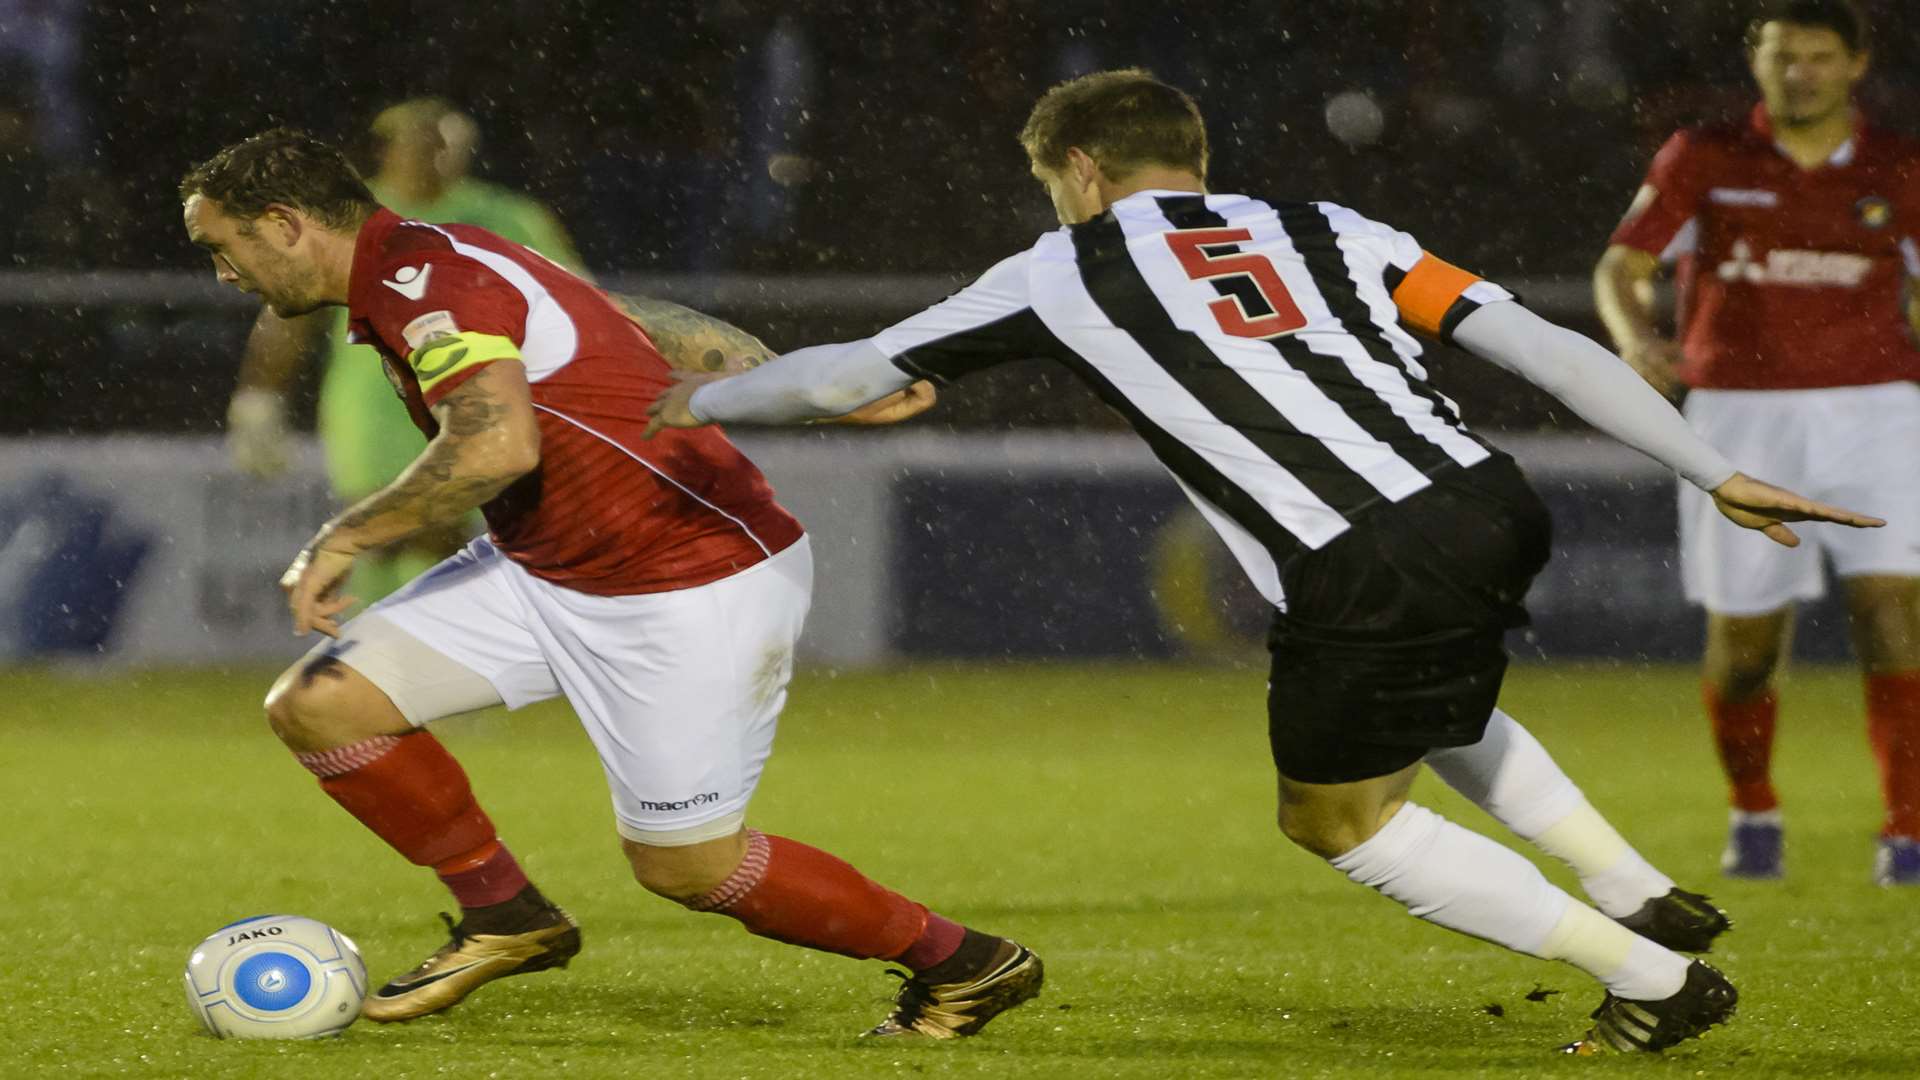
[1428, 292]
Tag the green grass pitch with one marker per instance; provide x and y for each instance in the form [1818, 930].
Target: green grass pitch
[1117, 819]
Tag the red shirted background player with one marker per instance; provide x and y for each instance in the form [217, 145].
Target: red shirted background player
[1793, 236]
[655, 584]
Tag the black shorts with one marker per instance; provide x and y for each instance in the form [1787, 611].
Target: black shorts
[1392, 642]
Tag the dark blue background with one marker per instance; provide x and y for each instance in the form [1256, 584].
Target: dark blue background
[998, 566]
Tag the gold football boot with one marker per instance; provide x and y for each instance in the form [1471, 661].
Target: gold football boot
[951, 1010]
[470, 961]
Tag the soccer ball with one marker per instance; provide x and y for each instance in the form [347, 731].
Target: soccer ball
[276, 977]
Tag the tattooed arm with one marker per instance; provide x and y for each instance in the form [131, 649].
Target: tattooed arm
[702, 344]
[691, 341]
[489, 437]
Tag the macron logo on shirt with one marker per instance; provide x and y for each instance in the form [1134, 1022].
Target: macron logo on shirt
[410, 281]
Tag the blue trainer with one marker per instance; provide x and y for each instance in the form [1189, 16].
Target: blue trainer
[1754, 848]
[1897, 862]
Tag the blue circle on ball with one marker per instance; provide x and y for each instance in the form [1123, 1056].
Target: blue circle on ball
[271, 981]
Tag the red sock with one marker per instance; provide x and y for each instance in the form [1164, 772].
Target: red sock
[415, 796]
[488, 876]
[790, 892]
[1743, 732]
[1893, 727]
[940, 940]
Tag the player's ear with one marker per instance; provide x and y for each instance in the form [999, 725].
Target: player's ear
[1081, 166]
[283, 223]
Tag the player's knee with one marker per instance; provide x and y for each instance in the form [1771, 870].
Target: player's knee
[1886, 629]
[1743, 654]
[1325, 832]
[681, 874]
[1737, 673]
[314, 707]
[1743, 677]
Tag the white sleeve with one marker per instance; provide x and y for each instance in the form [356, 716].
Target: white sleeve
[1595, 384]
[806, 384]
[986, 323]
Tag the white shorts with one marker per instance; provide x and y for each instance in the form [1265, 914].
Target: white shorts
[680, 691]
[1853, 446]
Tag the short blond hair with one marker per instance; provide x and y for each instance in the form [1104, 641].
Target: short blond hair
[1124, 120]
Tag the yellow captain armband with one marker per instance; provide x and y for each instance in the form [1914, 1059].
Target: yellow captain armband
[449, 354]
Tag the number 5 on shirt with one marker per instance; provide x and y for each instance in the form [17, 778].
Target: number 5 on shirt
[1258, 277]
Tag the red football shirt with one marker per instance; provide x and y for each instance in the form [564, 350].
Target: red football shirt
[605, 512]
[1788, 278]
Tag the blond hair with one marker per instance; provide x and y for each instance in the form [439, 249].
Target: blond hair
[1124, 120]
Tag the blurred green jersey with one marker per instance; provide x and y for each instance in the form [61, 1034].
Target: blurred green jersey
[362, 424]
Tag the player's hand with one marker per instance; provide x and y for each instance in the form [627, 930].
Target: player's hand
[1655, 360]
[895, 407]
[257, 433]
[313, 582]
[1755, 504]
[671, 408]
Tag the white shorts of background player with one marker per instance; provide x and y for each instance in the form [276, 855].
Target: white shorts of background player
[1853, 446]
[679, 691]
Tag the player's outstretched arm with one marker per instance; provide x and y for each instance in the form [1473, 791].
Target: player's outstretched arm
[1606, 393]
[277, 350]
[701, 344]
[809, 384]
[489, 437]
[1595, 384]
[986, 323]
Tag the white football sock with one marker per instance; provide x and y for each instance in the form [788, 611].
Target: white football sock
[1630, 965]
[1510, 776]
[1463, 881]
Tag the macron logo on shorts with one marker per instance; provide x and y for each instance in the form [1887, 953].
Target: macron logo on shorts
[682, 804]
[410, 281]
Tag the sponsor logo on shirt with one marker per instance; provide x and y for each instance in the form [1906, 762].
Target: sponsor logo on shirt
[1730, 196]
[1787, 266]
[1874, 212]
[410, 281]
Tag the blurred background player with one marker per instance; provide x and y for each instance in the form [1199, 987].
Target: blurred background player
[422, 150]
[1793, 237]
[1254, 347]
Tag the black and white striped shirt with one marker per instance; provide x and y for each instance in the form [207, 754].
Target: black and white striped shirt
[1256, 346]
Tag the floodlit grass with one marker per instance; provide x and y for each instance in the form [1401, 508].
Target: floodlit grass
[1117, 819]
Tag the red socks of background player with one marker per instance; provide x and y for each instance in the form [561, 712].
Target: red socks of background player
[1893, 728]
[1743, 733]
[415, 796]
[801, 895]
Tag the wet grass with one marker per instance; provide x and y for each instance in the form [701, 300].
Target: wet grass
[1115, 818]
